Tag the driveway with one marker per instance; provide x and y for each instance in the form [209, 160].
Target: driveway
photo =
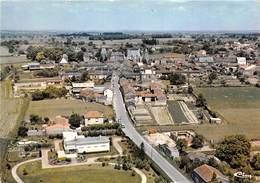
[14, 169]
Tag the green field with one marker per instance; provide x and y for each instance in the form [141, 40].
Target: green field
[86, 174]
[65, 107]
[239, 106]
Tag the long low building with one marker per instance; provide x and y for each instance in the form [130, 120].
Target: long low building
[87, 144]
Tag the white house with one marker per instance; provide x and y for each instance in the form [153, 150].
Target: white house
[64, 59]
[241, 60]
[93, 117]
[86, 144]
[134, 54]
[76, 87]
[108, 93]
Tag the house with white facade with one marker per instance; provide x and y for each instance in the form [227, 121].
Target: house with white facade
[93, 118]
[134, 54]
[108, 93]
[81, 144]
[241, 60]
[77, 87]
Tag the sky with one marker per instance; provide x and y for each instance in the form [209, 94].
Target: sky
[130, 15]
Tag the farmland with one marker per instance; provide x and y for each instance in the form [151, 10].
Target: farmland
[87, 174]
[55, 107]
[239, 106]
[13, 59]
[176, 112]
[10, 108]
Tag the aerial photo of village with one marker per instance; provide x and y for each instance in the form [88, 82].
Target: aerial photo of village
[121, 91]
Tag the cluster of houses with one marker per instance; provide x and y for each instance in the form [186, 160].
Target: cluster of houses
[90, 92]
[61, 124]
[135, 93]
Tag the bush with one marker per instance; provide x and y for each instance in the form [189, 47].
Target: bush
[197, 141]
[49, 92]
[22, 131]
[47, 73]
[133, 173]
[68, 159]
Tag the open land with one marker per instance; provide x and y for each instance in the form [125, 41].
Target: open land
[10, 108]
[240, 108]
[87, 174]
[13, 59]
[54, 107]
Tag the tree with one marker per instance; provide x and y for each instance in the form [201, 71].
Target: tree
[34, 119]
[40, 56]
[46, 119]
[212, 76]
[197, 141]
[75, 120]
[201, 101]
[177, 79]
[142, 152]
[80, 56]
[212, 162]
[190, 89]
[256, 161]
[181, 144]
[22, 131]
[83, 49]
[235, 150]
[84, 76]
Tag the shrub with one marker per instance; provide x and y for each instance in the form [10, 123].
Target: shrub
[133, 173]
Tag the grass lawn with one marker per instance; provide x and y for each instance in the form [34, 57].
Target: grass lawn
[239, 106]
[54, 107]
[86, 174]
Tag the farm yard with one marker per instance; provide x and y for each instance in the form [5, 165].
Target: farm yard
[54, 107]
[87, 174]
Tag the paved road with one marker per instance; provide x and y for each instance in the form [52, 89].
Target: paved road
[129, 130]
[14, 169]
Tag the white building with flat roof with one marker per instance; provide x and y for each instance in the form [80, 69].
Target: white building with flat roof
[241, 60]
[81, 144]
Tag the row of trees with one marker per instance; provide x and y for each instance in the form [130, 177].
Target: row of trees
[40, 53]
[49, 93]
[47, 73]
[13, 44]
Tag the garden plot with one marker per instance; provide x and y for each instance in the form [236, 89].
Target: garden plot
[142, 116]
[161, 115]
[181, 113]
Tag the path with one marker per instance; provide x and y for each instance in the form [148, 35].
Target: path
[115, 141]
[14, 169]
